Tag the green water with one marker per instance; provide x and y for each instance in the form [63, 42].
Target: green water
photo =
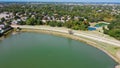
[37, 50]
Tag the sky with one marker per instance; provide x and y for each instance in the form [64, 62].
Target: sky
[64, 0]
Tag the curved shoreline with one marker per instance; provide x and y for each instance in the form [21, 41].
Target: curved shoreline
[88, 41]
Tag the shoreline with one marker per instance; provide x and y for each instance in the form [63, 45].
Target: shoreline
[81, 39]
[91, 43]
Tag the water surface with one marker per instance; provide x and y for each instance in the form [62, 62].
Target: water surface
[37, 50]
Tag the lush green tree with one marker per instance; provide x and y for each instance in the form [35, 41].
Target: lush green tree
[52, 23]
[76, 27]
[22, 22]
[59, 24]
[30, 21]
[39, 22]
[69, 24]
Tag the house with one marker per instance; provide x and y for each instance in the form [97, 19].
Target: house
[53, 18]
[23, 18]
[14, 22]
[2, 26]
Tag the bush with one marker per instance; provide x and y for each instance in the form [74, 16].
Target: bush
[53, 24]
[59, 24]
[115, 33]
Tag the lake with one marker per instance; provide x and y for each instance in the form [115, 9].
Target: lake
[39, 50]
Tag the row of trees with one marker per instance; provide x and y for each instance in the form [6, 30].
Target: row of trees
[76, 25]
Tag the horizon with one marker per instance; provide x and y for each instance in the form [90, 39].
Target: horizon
[85, 1]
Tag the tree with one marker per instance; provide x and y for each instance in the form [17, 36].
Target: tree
[83, 26]
[59, 24]
[22, 23]
[30, 21]
[16, 17]
[76, 27]
[1, 23]
[2, 19]
[39, 22]
[52, 23]
[69, 24]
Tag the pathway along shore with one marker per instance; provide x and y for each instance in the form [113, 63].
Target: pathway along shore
[105, 42]
[77, 33]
